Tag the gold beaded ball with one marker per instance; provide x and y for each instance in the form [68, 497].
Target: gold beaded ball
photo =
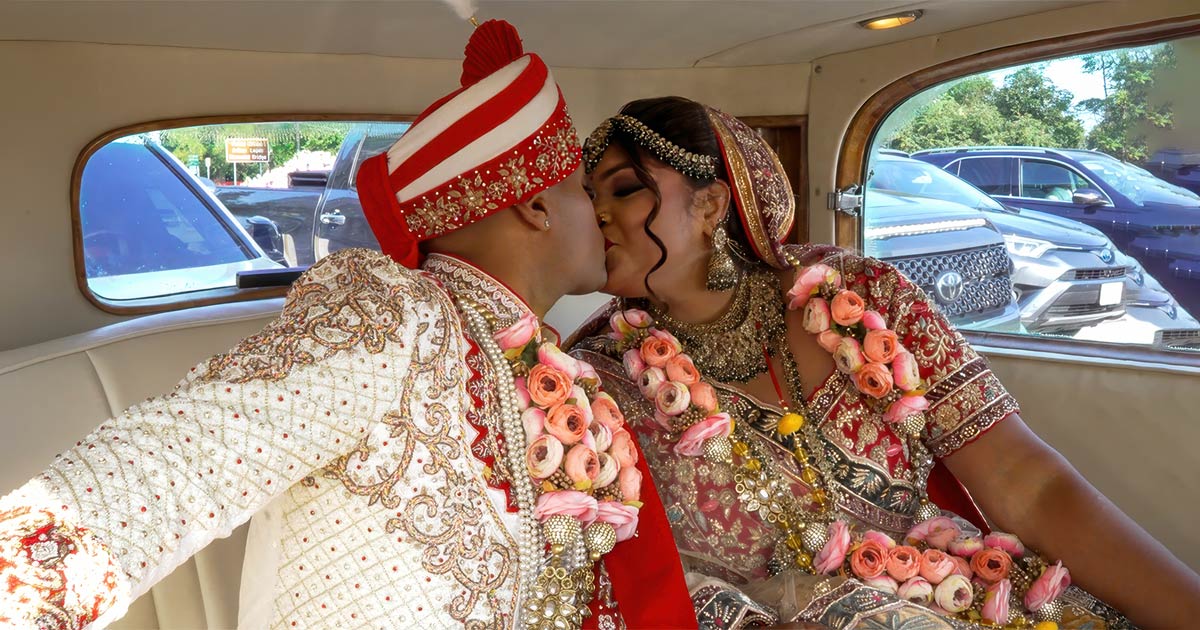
[927, 510]
[814, 537]
[914, 423]
[600, 538]
[1050, 611]
[561, 529]
[718, 450]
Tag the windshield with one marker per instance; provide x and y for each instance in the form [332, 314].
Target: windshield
[1136, 183]
[912, 178]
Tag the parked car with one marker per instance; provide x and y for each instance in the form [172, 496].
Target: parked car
[1156, 222]
[1065, 274]
[1181, 168]
[151, 228]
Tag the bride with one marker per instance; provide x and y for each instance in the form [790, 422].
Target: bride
[808, 415]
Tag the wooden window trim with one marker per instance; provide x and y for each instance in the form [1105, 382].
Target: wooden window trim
[794, 161]
[195, 298]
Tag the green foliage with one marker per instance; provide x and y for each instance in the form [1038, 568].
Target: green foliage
[1128, 77]
[284, 139]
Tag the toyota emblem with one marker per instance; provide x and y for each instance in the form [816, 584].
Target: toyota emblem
[949, 286]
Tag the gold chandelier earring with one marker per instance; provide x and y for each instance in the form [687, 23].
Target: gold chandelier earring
[722, 273]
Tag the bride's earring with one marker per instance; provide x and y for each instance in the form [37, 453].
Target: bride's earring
[722, 274]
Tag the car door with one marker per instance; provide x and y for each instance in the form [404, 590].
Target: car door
[1050, 186]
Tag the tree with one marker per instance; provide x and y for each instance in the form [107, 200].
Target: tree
[1040, 111]
[284, 139]
[1128, 77]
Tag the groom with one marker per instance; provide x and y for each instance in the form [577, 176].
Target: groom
[370, 429]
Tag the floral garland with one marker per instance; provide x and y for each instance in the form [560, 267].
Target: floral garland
[578, 448]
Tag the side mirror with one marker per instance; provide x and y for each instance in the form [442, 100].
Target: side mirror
[1088, 197]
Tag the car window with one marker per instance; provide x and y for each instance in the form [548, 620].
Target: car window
[1049, 180]
[379, 137]
[991, 175]
[1138, 184]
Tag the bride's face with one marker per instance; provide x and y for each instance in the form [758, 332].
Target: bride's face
[623, 204]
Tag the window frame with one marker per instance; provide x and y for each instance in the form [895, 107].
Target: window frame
[1021, 160]
[190, 299]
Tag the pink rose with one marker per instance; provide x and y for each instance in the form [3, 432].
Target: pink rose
[905, 371]
[704, 396]
[881, 346]
[807, 283]
[587, 372]
[567, 423]
[874, 379]
[548, 386]
[904, 563]
[880, 538]
[833, 554]
[680, 369]
[869, 559]
[582, 465]
[847, 307]
[1005, 542]
[652, 378]
[606, 412]
[816, 317]
[966, 546]
[549, 354]
[848, 356]
[954, 594]
[569, 502]
[829, 340]
[623, 518]
[936, 532]
[608, 471]
[995, 602]
[691, 443]
[638, 318]
[1052, 582]
[620, 324]
[601, 435]
[656, 352]
[543, 456]
[579, 398]
[991, 565]
[936, 565]
[534, 421]
[906, 406]
[523, 400]
[629, 481]
[623, 449]
[662, 420]
[634, 365]
[883, 583]
[962, 567]
[917, 590]
[872, 320]
[672, 398]
[518, 335]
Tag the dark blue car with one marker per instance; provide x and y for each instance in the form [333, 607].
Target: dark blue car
[1156, 222]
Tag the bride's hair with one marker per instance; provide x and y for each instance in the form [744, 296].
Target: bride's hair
[684, 123]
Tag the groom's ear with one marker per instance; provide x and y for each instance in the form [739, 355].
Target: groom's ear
[712, 202]
[535, 213]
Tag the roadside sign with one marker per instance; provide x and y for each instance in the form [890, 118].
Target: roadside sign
[246, 150]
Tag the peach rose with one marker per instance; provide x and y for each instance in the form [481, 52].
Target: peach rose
[962, 567]
[905, 371]
[704, 396]
[680, 369]
[847, 308]
[667, 337]
[807, 283]
[543, 456]
[623, 449]
[936, 532]
[582, 465]
[917, 590]
[634, 365]
[954, 594]
[567, 423]
[874, 380]
[991, 565]
[869, 560]
[672, 398]
[606, 412]
[833, 554]
[848, 356]
[579, 398]
[656, 352]
[547, 386]
[691, 443]
[652, 378]
[816, 317]
[966, 546]
[570, 502]
[906, 406]
[601, 436]
[518, 335]
[623, 518]
[523, 400]
[829, 340]
[629, 481]
[1005, 542]
[995, 602]
[881, 346]
[550, 354]
[534, 421]
[903, 563]
[1049, 585]
[872, 320]
[608, 471]
[883, 583]
[881, 538]
[936, 565]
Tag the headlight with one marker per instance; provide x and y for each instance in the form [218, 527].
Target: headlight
[1028, 247]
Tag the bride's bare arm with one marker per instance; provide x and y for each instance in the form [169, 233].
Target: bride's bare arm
[1029, 489]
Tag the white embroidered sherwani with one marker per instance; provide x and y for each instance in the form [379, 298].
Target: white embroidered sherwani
[348, 423]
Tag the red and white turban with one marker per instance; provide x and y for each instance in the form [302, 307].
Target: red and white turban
[501, 138]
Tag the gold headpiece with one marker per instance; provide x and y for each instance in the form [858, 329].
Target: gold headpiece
[691, 164]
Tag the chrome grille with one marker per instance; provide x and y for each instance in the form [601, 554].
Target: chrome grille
[987, 284]
[1179, 337]
[1082, 309]
[1101, 273]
